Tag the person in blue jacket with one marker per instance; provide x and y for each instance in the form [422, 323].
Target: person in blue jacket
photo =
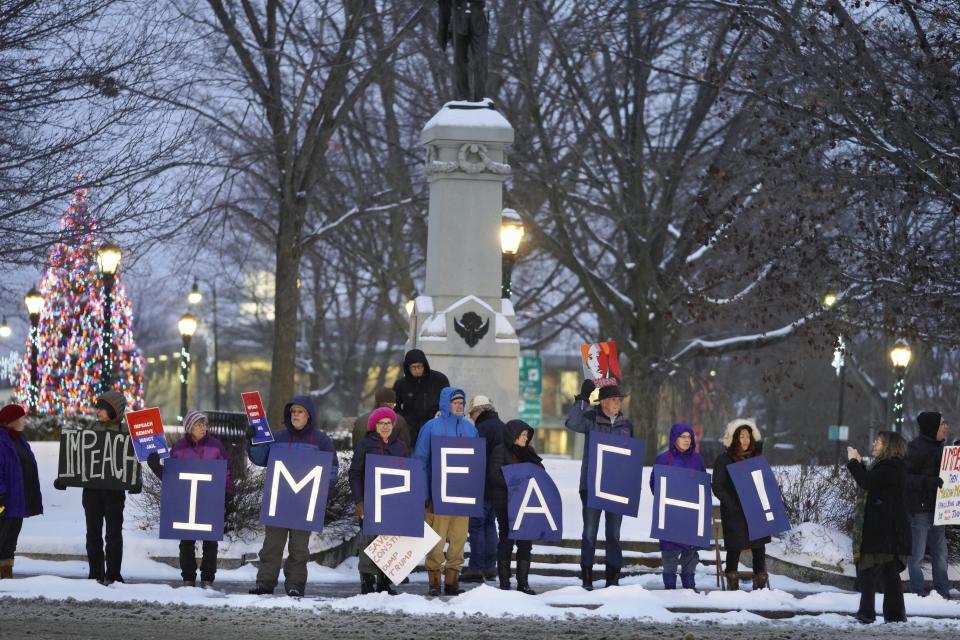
[681, 453]
[20, 495]
[452, 529]
[606, 418]
[299, 417]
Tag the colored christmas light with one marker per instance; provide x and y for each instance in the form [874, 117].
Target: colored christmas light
[71, 334]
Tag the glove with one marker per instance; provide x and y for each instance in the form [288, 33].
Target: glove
[585, 390]
[3, 504]
[251, 432]
[59, 485]
[153, 461]
[933, 482]
[359, 509]
[135, 490]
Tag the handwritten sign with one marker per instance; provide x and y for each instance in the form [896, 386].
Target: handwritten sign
[398, 555]
[98, 459]
[146, 429]
[256, 417]
[947, 508]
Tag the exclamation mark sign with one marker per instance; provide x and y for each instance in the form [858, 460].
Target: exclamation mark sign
[762, 492]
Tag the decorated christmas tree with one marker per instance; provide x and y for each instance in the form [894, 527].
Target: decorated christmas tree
[71, 347]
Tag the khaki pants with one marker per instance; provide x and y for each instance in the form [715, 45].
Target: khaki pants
[452, 529]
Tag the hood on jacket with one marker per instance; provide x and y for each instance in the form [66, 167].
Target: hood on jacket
[676, 431]
[732, 426]
[513, 429]
[929, 423]
[307, 403]
[446, 395]
[413, 356]
[116, 400]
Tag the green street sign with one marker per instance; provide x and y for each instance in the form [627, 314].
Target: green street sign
[838, 432]
[531, 376]
[531, 411]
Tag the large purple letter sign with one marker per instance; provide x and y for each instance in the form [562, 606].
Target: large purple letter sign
[760, 497]
[534, 508]
[191, 500]
[614, 473]
[295, 489]
[394, 490]
[458, 475]
[682, 504]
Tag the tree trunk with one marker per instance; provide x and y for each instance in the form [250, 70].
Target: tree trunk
[644, 400]
[286, 304]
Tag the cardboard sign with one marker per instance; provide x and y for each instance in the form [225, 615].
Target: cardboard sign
[191, 499]
[534, 507]
[600, 363]
[947, 508]
[394, 490]
[146, 429]
[682, 505]
[296, 486]
[759, 496]
[397, 556]
[458, 475]
[256, 417]
[98, 460]
[614, 472]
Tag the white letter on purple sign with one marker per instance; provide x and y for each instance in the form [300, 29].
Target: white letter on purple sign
[601, 449]
[192, 524]
[524, 509]
[379, 491]
[444, 470]
[315, 474]
[699, 506]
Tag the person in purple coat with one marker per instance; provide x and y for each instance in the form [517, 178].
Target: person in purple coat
[681, 453]
[19, 483]
[196, 444]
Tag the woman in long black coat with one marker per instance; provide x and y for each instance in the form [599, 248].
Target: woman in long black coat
[743, 441]
[881, 533]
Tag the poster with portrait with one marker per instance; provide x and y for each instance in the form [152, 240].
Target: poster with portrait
[600, 363]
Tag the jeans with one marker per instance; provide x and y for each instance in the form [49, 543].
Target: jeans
[687, 559]
[927, 536]
[588, 543]
[483, 540]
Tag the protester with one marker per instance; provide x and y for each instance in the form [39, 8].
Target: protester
[196, 444]
[451, 529]
[300, 432]
[20, 495]
[742, 439]
[515, 448]
[881, 527]
[607, 419]
[105, 506]
[382, 439]
[681, 453]
[418, 391]
[483, 529]
[382, 397]
[923, 479]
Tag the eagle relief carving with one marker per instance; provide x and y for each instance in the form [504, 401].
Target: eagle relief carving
[471, 327]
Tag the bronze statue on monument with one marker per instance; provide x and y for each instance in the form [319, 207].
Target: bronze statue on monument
[465, 22]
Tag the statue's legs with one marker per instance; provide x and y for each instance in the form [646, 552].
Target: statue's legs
[478, 68]
[461, 80]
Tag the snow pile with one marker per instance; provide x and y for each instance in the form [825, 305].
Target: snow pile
[814, 545]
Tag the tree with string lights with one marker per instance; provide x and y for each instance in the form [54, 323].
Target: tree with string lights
[78, 356]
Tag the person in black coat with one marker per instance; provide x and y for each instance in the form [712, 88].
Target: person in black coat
[743, 444]
[922, 467]
[483, 529]
[515, 449]
[418, 391]
[881, 526]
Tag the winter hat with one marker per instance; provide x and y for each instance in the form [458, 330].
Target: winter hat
[610, 391]
[192, 419]
[929, 422]
[384, 395]
[479, 401]
[106, 406]
[10, 413]
[457, 393]
[740, 422]
[380, 414]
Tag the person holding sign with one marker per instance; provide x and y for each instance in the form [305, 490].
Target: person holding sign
[515, 449]
[196, 444]
[382, 439]
[300, 432]
[451, 529]
[606, 419]
[742, 439]
[681, 453]
[881, 526]
[19, 483]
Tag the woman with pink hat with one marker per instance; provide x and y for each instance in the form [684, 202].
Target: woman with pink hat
[19, 483]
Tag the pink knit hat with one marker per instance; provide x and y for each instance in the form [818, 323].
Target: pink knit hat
[380, 414]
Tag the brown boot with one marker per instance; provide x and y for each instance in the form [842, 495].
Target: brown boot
[761, 580]
[451, 582]
[6, 569]
[434, 579]
[733, 581]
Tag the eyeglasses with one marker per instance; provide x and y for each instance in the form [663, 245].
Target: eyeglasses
[384, 423]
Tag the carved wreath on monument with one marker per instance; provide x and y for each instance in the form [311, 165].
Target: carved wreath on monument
[471, 327]
[473, 157]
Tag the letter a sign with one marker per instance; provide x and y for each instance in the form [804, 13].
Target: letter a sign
[296, 487]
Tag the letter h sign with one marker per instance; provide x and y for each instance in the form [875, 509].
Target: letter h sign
[682, 504]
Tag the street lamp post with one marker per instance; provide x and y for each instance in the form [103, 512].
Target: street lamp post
[34, 301]
[511, 233]
[195, 297]
[900, 357]
[840, 364]
[108, 258]
[187, 326]
[5, 329]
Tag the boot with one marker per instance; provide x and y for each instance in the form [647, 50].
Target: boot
[451, 582]
[366, 583]
[669, 581]
[472, 575]
[613, 576]
[503, 572]
[586, 577]
[761, 580]
[688, 581]
[384, 584]
[523, 573]
[189, 583]
[434, 579]
[6, 569]
[733, 581]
